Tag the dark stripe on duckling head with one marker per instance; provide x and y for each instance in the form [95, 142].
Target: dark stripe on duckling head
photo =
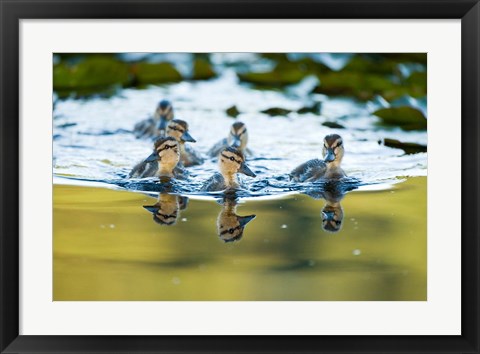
[235, 151]
[163, 140]
[165, 143]
[233, 154]
[235, 236]
[238, 128]
[165, 219]
[178, 124]
[230, 230]
[332, 141]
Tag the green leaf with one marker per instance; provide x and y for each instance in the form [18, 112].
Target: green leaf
[233, 111]
[155, 73]
[333, 125]
[276, 111]
[93, 72]
[409, 148]
[407, 118]
[202, 70]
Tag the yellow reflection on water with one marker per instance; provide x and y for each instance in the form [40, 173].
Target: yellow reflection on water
[108, 247]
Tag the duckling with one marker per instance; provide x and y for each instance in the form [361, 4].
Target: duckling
[237, 138]
[332, 217]
[329, 168]
[230, 162]
[155, 126]
[179, 130]
[166, 210]
[230, 225]
[162, 162]
[332, 212]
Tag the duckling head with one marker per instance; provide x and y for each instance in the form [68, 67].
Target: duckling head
[164, 114]
[232, 161]
[332, 217]
[166, 152]
[230, 226]
[333, 149]
[238, 136]
[178, 129]
[165, 211]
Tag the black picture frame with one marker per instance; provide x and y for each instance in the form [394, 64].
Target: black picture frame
[13, 10]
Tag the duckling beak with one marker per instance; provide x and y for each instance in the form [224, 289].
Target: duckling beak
[236, 141]
[162, 124]
[153, 157]
[246, 170]
[188, 138]
[244, 220]
[151, 208]
[330, 156]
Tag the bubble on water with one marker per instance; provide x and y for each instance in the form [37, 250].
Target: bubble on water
[112, 226]
[184, 219]
[176, 281]
[284, 226]
[357, 252]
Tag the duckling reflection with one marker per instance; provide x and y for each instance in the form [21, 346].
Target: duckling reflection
[332, 212]
[237, 138]
[166, 210]
[328, 168]
[178, 129]
[156, 125]
[230, 226]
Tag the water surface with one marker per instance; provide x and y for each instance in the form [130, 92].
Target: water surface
[108, 247]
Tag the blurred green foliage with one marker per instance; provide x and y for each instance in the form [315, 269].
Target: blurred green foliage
[202, 70]
[407, 118]
[364, 77]
[93, 73]
[155, 73]
[409, 148]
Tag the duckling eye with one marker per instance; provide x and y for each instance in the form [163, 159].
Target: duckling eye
[167, 147]
[231, 158]
[231, 231]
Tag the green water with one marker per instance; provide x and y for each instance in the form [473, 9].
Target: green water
[107, 247]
